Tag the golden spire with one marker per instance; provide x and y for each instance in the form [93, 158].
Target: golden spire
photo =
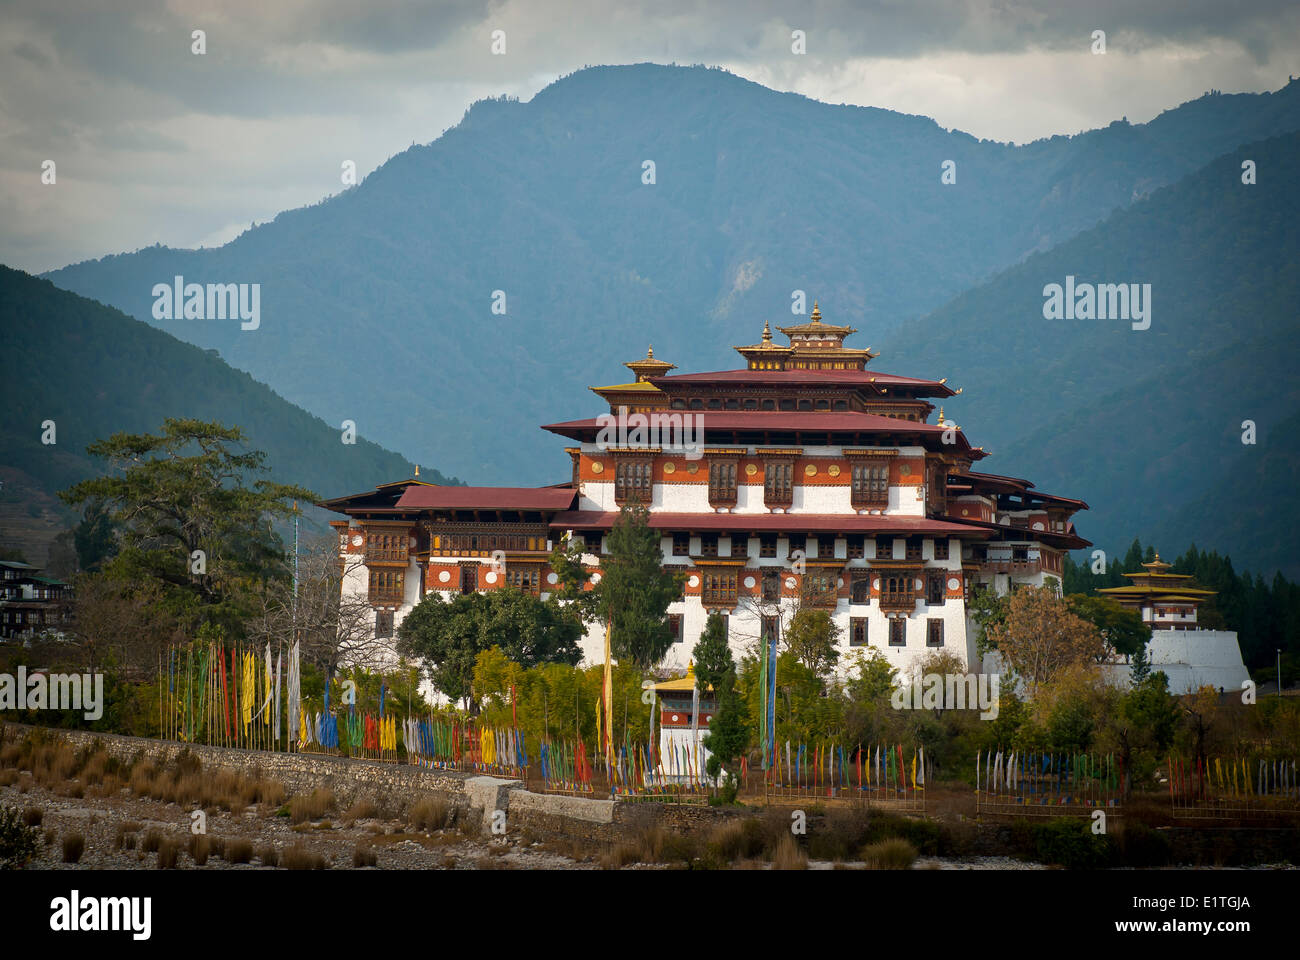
[690, 668]
[417, 469]
[650, 352]
[816, 314]
[941, 415]
[767, 332]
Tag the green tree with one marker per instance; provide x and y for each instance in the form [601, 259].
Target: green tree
[812, 637]
[572, 579]
[729, 729]
[712, 654]
[445, 636]
[635, 590]
[987, 609]
[1121, 628]
[449, 635]
[94, 537]
[194, 515]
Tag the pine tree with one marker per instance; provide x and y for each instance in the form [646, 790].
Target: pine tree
[635, 590]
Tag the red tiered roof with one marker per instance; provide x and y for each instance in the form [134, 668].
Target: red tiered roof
[774, 522]
[486, 498]
[857, 378]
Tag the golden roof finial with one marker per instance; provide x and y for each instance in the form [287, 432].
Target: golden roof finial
[417, 469]
[816, 314]
[941, 415]
[690, 668]
[650, 352]
[767, 332]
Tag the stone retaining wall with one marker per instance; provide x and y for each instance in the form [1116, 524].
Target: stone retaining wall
[395, 787]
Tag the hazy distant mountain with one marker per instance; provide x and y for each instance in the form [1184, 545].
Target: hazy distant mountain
[1146, 425]
[94, 372]
[376, 304]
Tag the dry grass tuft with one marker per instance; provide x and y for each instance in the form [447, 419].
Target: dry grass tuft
[895, 854]
[238, 850]
[789, 856]
[299, 857]
[430, 813]
[364, 856]
[312, 807]
[200, 848]
[74, 845]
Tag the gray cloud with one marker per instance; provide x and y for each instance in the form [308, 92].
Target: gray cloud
[157, 144]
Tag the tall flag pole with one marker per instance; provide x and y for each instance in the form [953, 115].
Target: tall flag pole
[608, 705]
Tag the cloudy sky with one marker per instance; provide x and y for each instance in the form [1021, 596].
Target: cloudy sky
[153, 143]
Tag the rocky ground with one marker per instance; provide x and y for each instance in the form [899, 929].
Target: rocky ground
[115, 829]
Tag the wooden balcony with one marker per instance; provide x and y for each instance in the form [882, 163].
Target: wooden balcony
[1020, 568]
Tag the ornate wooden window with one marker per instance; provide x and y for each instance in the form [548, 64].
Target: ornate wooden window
[386, 586]
[860, 588]
[856, 545]
[771, 585]
[525, 576]
[771, 626]
[709, 545]
[934, 589]
[681, 544]
[383, 624]
[897, 591]
[675, 626]
[857, 631]
[469, 578]
[722, 482]
[884, 548]
[767, 545]
[934, 632]
[719, 587]
[898, 632]
[819, 587]
[869, 484]
[778, 483]
[388, 547]
[633, 479]
[825, 547]
[913, 549]
[941, 548]
[739, 544]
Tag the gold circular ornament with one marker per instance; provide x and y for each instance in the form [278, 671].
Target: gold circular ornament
[810, 470]
[597, 467]
[750, 469]
[670, 467]
[692, 468]
[834, 470]
[905, 470]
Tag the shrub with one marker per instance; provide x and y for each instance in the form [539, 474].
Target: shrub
[18, 841]
[33, 816]
[269, 855]
[168, 852]
[200, 848]
[74, 845]
[1137, 845]
[429, 814]
[1071, 843]
[364, 856]
[299, 857]
[896, 854]
[151, 842]
[361, 810]
[238, 850]
[312, 807]
[789, 856]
